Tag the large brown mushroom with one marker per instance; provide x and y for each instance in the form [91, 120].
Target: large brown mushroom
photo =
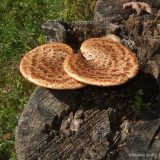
[43, 67]
[102, 62]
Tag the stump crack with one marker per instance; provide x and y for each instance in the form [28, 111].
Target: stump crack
[153, 138]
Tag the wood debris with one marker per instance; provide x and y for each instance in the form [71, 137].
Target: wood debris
[138, 6]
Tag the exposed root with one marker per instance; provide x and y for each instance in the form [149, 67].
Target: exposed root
[138, 6]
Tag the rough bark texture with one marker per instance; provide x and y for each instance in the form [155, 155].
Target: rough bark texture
[143, 143]
[38, 134]
[33, 141]
[112, 11]
[77, 32]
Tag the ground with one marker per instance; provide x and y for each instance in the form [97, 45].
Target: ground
[20, 30]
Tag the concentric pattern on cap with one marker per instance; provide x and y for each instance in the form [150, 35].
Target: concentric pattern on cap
[43, 66]
[102, 62]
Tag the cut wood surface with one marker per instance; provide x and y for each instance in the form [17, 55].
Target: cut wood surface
[33, 142]
[143, 143]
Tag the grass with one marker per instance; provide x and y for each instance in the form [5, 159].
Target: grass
[20, 31]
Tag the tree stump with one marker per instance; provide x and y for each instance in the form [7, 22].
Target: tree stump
[107, 131]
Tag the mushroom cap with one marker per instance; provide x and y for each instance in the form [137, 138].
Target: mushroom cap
[43, 66]
[102, 62]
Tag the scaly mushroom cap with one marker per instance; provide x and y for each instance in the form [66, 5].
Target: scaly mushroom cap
[43, 67]
[102, 62]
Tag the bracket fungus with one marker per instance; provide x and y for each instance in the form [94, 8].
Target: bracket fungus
[43, 66]
[102, 62]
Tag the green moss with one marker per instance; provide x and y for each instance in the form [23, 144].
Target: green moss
[138, 100]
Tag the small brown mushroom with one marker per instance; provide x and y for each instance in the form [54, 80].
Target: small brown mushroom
[102, 62]
[43, 67]
[138, 6]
